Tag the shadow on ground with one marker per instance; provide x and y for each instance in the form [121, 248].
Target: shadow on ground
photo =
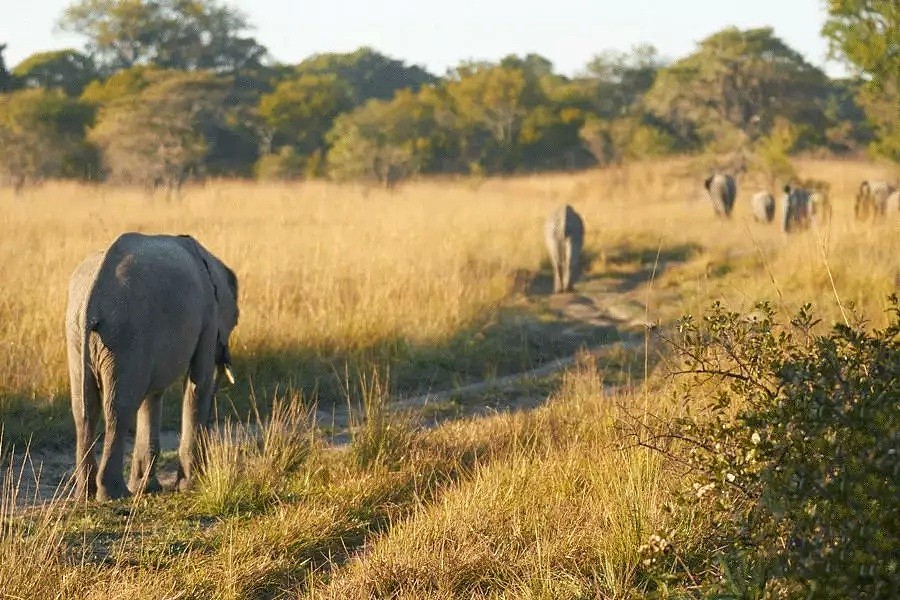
[606, 311]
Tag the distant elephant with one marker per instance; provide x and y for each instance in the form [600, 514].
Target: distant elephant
[796, 209]
[721, 189]
[141, 314]
[893, 203]
[763, 205]
[819, 208]
[872, 199]
[564, 235]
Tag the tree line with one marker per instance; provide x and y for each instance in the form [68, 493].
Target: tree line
[168, 90]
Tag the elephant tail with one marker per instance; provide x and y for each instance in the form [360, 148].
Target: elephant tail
[90, 392]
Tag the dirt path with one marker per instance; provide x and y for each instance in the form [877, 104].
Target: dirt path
[611, 302]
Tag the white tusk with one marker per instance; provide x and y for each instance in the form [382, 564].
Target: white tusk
[229, 374]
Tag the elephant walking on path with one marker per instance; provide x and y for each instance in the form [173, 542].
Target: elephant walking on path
[763, 206]
[140, 315]
[872, 199]
[564, 235]
[722, 190]
[797, 211]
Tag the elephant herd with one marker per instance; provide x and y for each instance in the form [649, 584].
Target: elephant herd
[802, 207]
[151, 308]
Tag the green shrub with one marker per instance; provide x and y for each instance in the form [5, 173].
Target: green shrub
[794, 460]
[287, 164]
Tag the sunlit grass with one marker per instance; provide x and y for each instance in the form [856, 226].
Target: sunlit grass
[331, 270]
[549, 503]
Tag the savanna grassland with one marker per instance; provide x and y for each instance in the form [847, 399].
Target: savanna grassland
[356, 295]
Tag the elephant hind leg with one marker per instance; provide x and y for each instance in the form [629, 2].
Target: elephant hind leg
[146, 446]
[199, 389]
[553, 248]
[568, 265]
[86, 412]
[120, 402]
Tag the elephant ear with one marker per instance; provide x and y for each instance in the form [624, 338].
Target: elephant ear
[231, 278]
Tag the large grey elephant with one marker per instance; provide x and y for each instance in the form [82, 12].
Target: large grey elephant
[564, 235]
[796, 209]
[872, 199]
[721, 189]
[140, 315]
[763, 205]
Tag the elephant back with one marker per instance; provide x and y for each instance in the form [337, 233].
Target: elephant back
[796, 209]
[563, 222]
[722, 191]
[763, 206]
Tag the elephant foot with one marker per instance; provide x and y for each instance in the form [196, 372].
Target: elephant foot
[112, 491]
[151, 486]
[85, 491]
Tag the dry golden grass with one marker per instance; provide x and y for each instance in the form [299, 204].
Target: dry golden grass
[518, 505]
[329, 270]
[537, 504]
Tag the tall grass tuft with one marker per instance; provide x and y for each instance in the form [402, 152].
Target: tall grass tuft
[35, 560]
[245, 464]
[378, 436]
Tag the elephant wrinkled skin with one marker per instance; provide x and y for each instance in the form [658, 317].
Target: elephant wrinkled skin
[140, 315]
[564, 236]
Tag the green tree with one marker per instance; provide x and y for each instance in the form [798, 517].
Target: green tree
[733, 87]
[554, 110]
[846, 128]
[158, 136]
[233, 138]
[621, 79]
[487, 104]
[618, 125]
[6, 79]
[176, 34]
[772, 151]
[42, 135]
[367, 73]
[386, 141]
[127, 82]
[299, 112]
[286, 164]
[866, 34]
[68, 70]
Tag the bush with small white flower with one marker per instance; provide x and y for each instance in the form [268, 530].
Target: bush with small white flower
[793, 465]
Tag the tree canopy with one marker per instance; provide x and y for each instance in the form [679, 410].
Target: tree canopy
[367, 73]
[173, 34]
[866, 34]
[68, 70]
[173, 89]
[42, 135]
[155, 136]
[734, 86]
[6, 81]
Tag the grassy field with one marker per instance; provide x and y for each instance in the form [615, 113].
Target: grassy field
[435, 284]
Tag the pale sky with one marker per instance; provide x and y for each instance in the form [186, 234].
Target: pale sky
[438, 35]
